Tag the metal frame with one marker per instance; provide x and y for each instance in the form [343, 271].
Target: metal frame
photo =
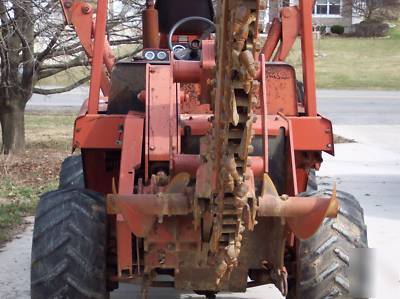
[307, 134]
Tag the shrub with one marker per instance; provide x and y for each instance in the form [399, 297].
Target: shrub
[321, 29]
[337, 29]
[372, 28]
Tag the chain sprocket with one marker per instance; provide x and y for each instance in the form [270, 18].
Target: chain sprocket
[235, 98]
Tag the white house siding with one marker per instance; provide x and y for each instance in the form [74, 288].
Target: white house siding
[329, 18]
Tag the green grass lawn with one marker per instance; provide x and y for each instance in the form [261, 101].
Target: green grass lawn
[356, 63]
[24, 177]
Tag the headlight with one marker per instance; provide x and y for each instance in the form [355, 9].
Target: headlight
[149, 55]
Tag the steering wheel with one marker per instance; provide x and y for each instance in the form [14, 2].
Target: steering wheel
[180, 52]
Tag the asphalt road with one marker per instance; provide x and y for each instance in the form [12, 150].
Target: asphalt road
[369, 169]
[341, 106]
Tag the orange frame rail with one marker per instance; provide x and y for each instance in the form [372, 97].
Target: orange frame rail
[98, 52]
[307, 45]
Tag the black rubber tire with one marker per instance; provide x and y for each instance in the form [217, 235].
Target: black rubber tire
[323, 260]
[71, 173]
[69, 246]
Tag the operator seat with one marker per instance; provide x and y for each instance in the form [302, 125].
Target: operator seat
[172, 11]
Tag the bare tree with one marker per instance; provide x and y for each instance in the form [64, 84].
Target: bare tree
[374, 9]
[35, 44]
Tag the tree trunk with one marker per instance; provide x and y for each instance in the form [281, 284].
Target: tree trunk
[12, 121]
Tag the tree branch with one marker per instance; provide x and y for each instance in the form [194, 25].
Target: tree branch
[61, 89]
[42, 55]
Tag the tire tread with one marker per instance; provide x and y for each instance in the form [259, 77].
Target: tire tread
[323, 260]
[68, 249]
[71, 173]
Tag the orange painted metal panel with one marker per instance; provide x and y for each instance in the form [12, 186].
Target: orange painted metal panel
[312, 134]
[162, 123]
[99, 131]
[98, 52]
[274, 35]
[307, 46]
[199, 124]
[290, 31]
[131, 155]
[79, 14]
[264, 114]
[281, 89]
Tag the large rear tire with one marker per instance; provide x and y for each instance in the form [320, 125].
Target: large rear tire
[69, 246]
[71, 173]
[323, 260]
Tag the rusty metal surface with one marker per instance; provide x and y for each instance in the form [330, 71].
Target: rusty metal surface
[191, 163]
[124, 247]
[165, 243]
[237, 66]
[191, 99]
[305, 227]
[194, 216]
[288, 206]
[161, 204]
[150, 26]
[280, 86]
[304, 215]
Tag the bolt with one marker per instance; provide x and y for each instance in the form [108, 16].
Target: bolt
[327, 131]
[161, 258]
[152, 147]
[329, 145]
[285, 197]
[86, 9]
[286, 13]
[68, 4]
[118, 142]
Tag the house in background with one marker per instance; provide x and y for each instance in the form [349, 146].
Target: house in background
[334, 12]
[325, 12]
